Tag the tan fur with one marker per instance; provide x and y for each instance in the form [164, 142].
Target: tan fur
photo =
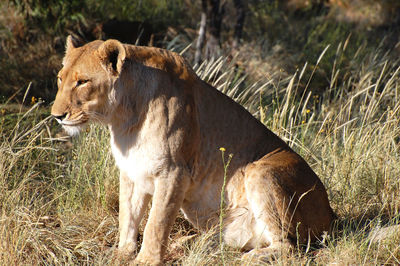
[166, 129]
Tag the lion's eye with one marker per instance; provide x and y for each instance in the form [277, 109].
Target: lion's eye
[81, 81]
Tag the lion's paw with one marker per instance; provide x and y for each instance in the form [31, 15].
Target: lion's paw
[126, 252]
[143, 259]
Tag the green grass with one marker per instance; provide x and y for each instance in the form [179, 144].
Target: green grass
[59, 200]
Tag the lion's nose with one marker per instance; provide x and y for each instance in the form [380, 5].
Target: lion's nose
[59, 118]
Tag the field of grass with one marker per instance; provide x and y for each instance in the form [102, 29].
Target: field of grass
[59, 197]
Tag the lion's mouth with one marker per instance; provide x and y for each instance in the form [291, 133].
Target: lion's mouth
[67, 121]
[71, 123]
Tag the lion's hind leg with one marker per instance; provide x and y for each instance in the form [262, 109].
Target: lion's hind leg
[289, 203]
[272, 212]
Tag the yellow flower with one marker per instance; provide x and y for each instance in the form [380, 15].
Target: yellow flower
[308, 111]
[222, 149]
[303, 122]
[33, 100]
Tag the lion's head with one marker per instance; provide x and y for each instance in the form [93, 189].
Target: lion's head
[86, 82]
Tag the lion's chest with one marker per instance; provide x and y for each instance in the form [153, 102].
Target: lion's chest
[140, 161]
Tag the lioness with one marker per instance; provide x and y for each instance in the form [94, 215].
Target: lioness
[166, 128]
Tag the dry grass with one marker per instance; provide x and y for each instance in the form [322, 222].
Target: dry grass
[58, 204]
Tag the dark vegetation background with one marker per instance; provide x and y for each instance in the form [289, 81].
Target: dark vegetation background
[263, 35]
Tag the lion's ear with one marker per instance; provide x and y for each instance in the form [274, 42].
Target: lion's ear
[112, 55]
[72, 43]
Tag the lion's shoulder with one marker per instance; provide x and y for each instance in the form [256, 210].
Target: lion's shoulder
[164, 60]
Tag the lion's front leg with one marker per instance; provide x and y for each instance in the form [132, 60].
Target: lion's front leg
[167, 199]
[132, 204]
